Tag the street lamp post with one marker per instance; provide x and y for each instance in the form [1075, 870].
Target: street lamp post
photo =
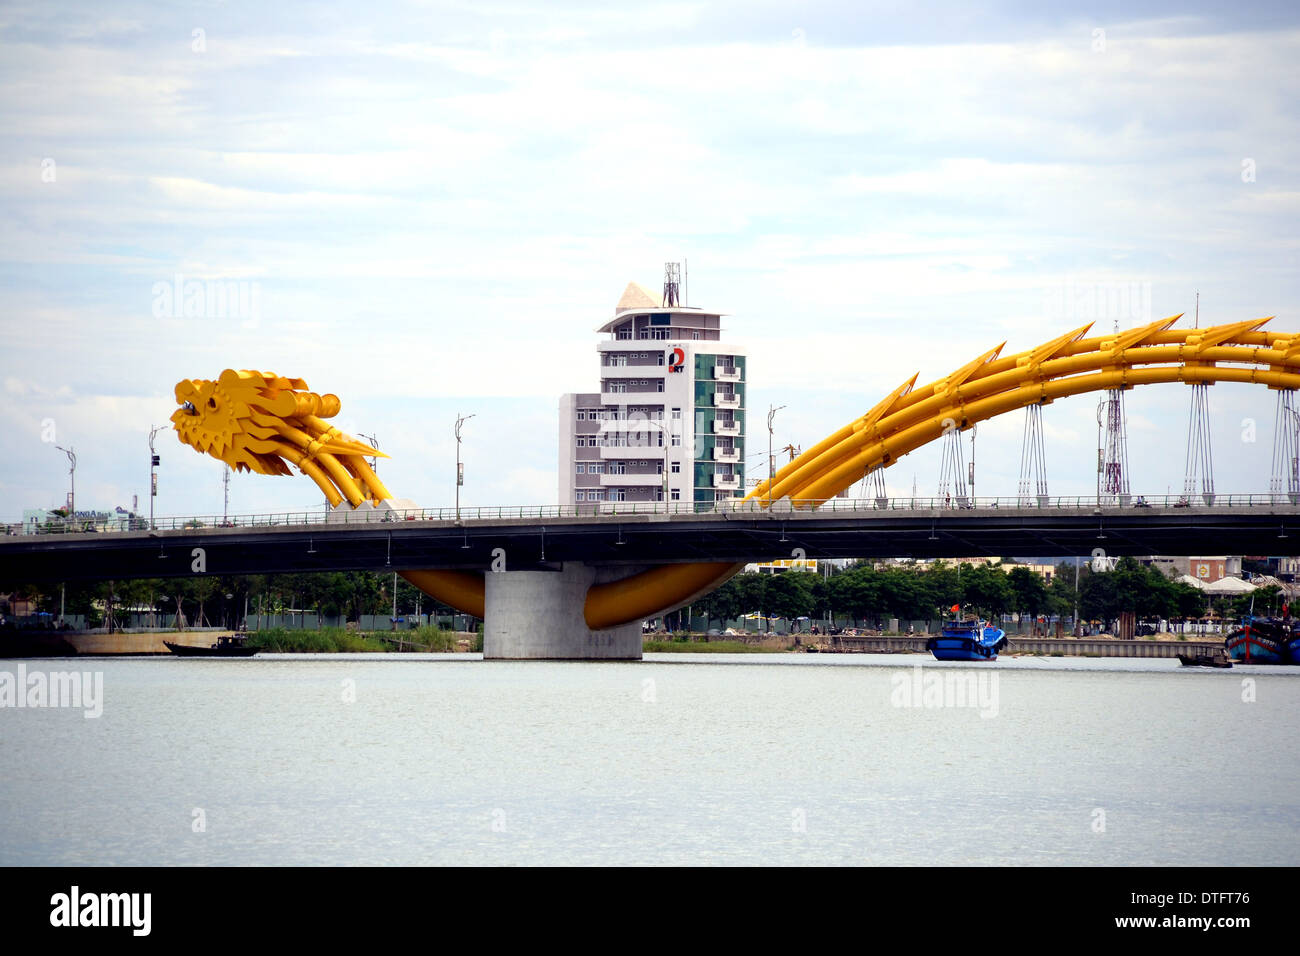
[973, 429]
[153, 476]
[72, 480]
[771, 462]
[460, 473]
[665, 434]
[374, 443]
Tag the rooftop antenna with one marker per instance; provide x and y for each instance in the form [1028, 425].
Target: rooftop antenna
[672, 283]
[686, 282]
[1112, 450]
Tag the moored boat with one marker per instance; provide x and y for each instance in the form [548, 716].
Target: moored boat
[970, 640]
[228, 645]
[1203, 660]
[1260, 641]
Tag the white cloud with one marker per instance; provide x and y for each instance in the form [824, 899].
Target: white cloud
[438, 215]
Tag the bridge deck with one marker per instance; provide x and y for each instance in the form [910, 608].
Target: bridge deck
[640, 539]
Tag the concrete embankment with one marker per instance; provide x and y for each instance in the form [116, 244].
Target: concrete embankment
[100, 643]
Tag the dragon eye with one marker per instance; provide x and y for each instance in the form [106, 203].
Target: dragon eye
[190, 409]
[212, 403]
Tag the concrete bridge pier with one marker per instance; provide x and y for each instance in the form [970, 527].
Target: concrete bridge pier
[537, 615]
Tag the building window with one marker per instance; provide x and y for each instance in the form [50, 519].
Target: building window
[677, 468]
[596, 468]
[677, 414]
[660, 383]
[582, 496]
[677, 441]
[677, 495]
[582, 416]
[582, 469]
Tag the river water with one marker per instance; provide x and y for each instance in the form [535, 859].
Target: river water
[694, 759]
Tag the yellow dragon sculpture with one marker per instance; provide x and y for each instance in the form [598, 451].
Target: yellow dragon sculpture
[262, 422]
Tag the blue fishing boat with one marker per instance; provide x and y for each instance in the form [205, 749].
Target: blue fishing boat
[970, 640]
[1261, 641]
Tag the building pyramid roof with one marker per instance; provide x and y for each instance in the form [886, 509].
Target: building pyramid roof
[637, 296]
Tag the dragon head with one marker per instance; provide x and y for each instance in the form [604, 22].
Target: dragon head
[262, 422]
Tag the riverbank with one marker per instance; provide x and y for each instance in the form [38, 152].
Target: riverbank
[1102, 645]
[326, 640]
[715, 647]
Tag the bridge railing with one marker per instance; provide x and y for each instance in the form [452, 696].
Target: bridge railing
[617, 509]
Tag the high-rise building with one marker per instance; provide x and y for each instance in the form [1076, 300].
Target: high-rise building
[669, 419]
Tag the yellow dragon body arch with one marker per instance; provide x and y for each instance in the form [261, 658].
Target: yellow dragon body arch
[261, 422]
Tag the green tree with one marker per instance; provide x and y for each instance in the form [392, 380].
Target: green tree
[752, 591]
[856, 591]
[723, 604]
[790, 594]
[942, 589]
[1029, 594]
[902, 594]
[985, 588]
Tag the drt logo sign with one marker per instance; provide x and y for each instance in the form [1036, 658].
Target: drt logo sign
[676, 359]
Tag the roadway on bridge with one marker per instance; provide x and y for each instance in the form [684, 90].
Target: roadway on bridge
[644, 539]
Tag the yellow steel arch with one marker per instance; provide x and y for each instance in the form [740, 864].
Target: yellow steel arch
[257, 421]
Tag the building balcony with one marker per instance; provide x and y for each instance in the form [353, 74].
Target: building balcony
[632, 371]
[726, 454]
[629, 481]
[649, 396]
[722, 400]
[623, 452]
[726, 428]
[726, 482]
[639, 423]
[726, 374]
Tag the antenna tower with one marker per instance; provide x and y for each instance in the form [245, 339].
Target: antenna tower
[1200, 458]
[1112, 451]
[672, 284]
[1285, 483]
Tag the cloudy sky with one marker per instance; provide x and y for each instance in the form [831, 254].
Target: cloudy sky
[434, 204]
